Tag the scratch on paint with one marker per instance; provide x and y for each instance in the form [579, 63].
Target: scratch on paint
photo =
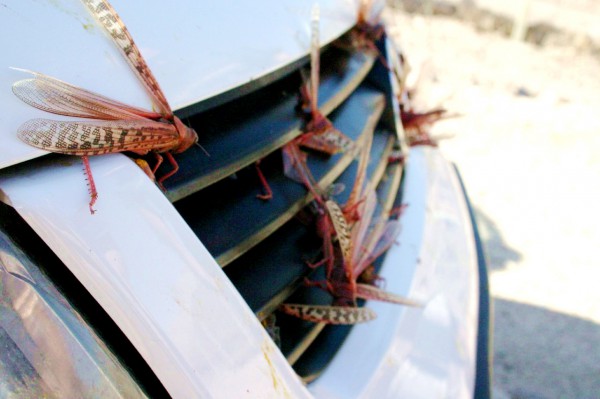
[267, 349]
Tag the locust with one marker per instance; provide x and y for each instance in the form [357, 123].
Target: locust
[115, 126]
[319, 133]
[350, 244]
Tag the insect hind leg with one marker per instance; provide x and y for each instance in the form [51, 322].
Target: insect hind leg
[173, 163]
[159, 161]
[263, 180]
[91, 184]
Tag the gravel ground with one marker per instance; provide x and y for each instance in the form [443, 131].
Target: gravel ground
[528, 146]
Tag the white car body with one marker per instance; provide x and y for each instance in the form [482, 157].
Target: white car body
[146, 268]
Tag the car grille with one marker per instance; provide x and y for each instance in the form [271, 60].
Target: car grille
[264, 246]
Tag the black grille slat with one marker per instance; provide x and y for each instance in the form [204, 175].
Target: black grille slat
[231, 219]
[323, 348]
[340, 75]
[235, 135]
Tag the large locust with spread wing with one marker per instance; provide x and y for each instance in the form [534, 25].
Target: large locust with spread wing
[116, 127]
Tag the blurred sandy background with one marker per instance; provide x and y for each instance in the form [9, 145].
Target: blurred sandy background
[528, 147]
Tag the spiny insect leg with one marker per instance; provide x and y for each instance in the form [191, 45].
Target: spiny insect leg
[91, 185]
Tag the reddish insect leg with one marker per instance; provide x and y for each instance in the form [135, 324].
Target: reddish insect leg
[92, 186]
[173, 163]
[326, 260]
[264, 182]
[159, 161]
[324, 285]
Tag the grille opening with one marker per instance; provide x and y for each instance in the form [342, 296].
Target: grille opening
[25, 240]
[227, 216]
[264, 246]
[279, 262]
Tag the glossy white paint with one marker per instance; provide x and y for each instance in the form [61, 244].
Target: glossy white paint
[148, 270]
[424, 352]
[196, 49]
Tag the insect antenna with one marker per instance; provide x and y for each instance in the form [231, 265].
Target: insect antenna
[203, 149]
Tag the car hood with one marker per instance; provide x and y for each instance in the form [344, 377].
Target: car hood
[196, 50]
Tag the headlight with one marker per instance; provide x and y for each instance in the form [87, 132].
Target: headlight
[46, 348]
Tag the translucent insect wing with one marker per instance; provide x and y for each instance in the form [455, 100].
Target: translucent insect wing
[360, 229]
[382, 242]
[55, 96]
